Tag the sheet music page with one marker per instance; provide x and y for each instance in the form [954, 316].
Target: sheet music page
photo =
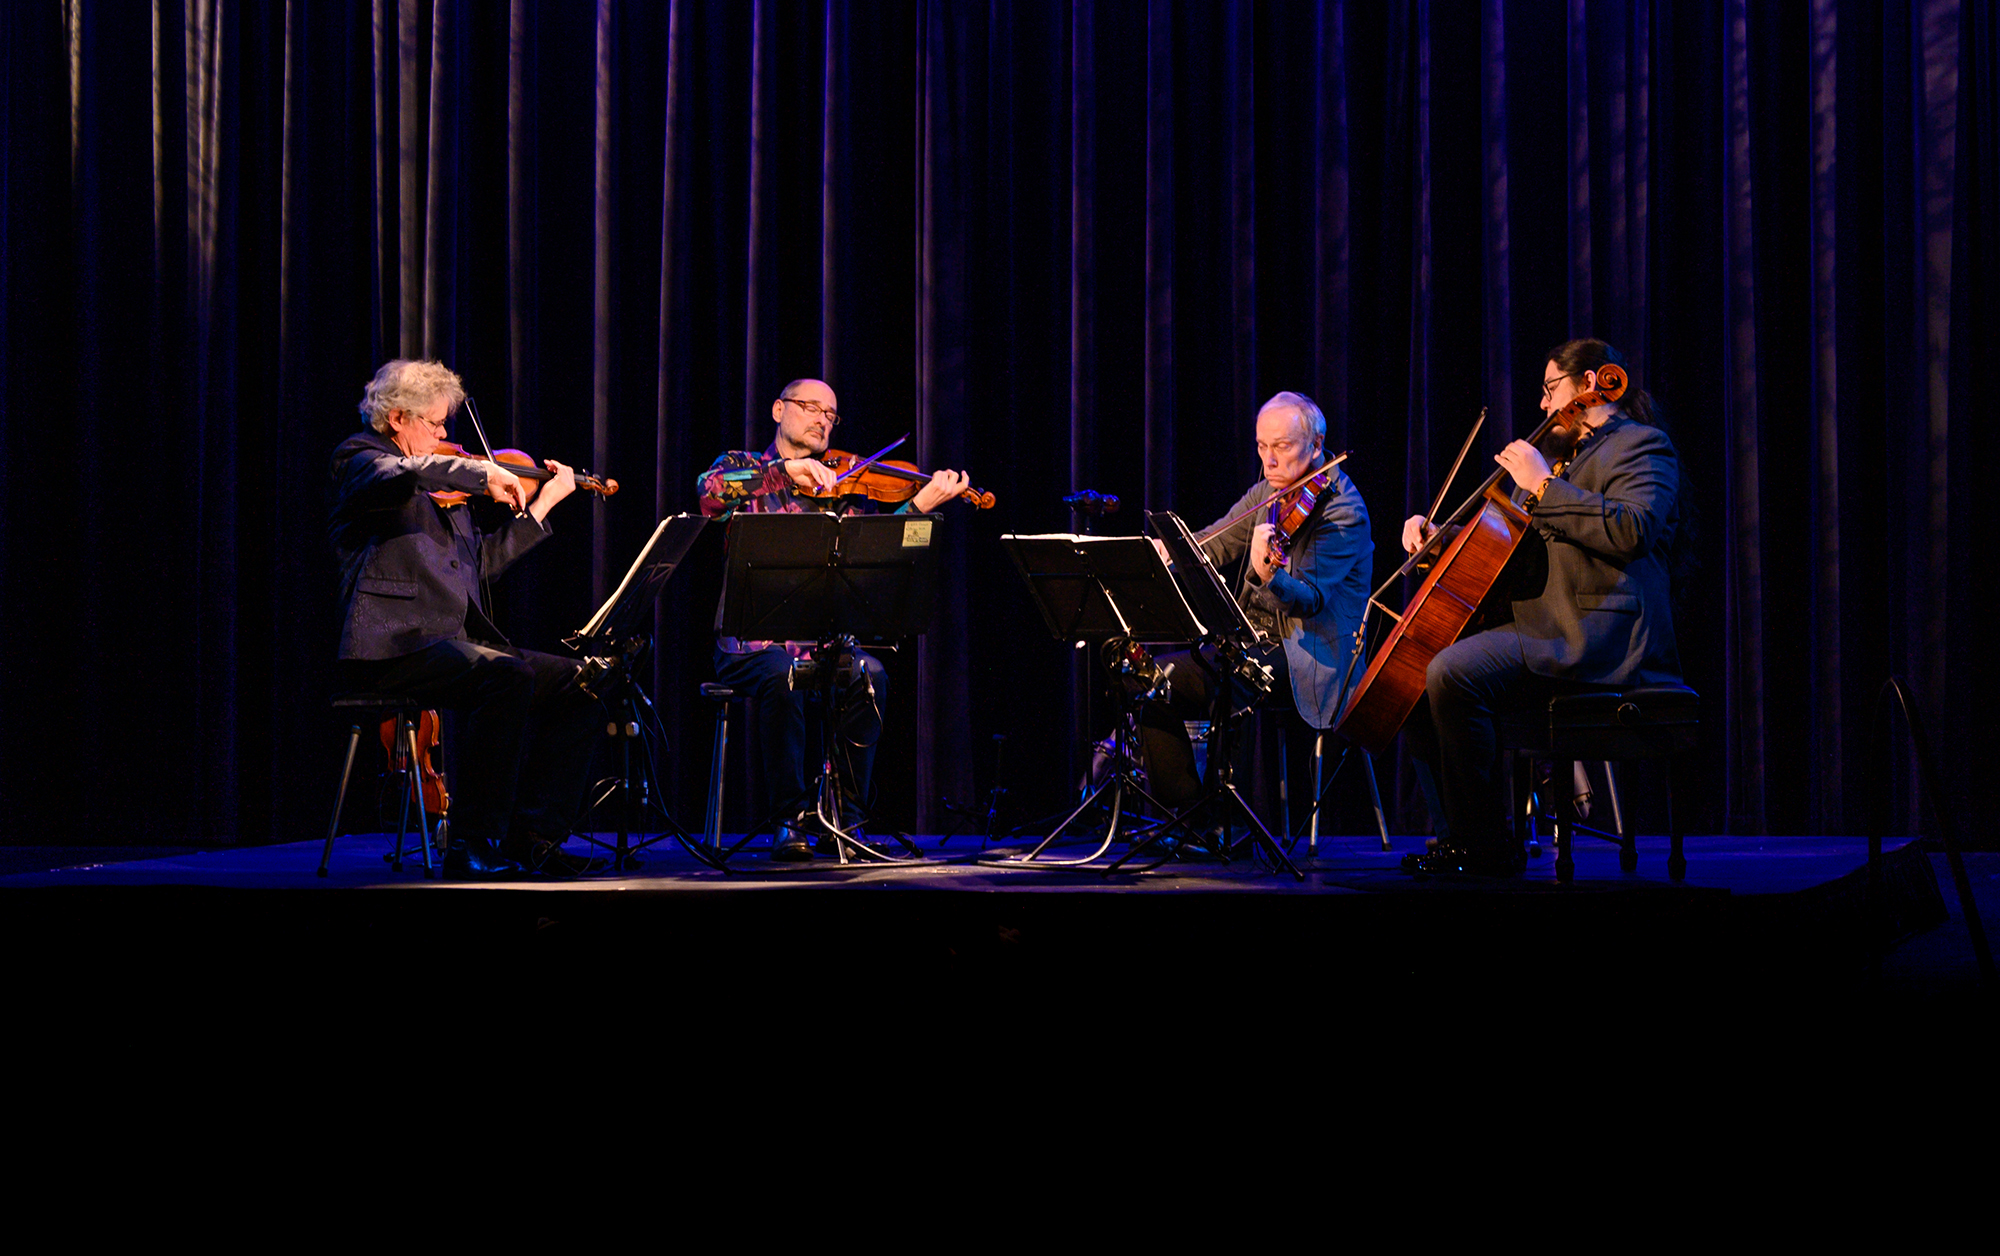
[638, 565]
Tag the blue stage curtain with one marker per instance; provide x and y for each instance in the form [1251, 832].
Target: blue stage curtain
[1063, 243]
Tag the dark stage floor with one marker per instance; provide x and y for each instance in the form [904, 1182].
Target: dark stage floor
[1756, 920]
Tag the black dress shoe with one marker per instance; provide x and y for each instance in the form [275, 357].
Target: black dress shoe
[826, 845]
[792, 846]
[475, 859]
[548, 859]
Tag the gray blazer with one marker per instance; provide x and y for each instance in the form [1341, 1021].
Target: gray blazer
[1594, 604]
[409, 568]
[1318, 596]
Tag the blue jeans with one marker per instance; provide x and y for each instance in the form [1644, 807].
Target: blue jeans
[781, 725]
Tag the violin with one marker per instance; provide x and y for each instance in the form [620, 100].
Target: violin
[427, 785]
[879, 480]
[523, 466]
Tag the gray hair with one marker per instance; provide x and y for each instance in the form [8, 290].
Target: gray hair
[410, 386]
[1310, 417]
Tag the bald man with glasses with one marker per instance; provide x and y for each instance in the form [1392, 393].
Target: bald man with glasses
[806, 413]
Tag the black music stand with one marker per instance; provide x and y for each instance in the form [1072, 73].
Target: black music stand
[838, 581]
[1232, 636]
[612, 642]
[1102, 588]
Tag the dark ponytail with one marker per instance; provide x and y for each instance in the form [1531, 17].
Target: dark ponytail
[1574, 357]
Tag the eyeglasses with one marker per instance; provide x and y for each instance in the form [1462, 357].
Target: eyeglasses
[813, 407]
[1549, 386]
[433, 424]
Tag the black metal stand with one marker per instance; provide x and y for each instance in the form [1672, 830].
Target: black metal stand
[611, 644]
[614, 686]
[830, 789]
[1221, 786]
[1110, 589]
[836, 581]
[1119, 783]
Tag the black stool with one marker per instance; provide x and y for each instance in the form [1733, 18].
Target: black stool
[1649, 722]
[722, 696]
[370, 709]
[1319, 792]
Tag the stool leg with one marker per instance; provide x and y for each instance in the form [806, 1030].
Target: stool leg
[715, 781]
[340, 797]
[417, 788]
[1284, 783]
[1375, 796]
[1523, 812]
[1565, 830]
[1677, 864]
[1628, 841]
[1319, 790]
[1611, 788]
[405, 736]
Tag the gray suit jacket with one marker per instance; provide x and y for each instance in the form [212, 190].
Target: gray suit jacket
[1591, 592]
[409, 568]
[1318, 596]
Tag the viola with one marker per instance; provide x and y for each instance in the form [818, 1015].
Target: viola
[523, 466]
[1459, 579]
[880, 480]
[426, 781]
[1290, 512]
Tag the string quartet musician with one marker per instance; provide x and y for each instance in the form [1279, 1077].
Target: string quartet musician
[1307, 602]
[413, 622]
[1590, 592]
[806, 412]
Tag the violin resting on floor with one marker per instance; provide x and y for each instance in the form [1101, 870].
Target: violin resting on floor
[426, 780]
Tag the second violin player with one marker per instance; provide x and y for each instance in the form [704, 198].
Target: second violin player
[778, 480]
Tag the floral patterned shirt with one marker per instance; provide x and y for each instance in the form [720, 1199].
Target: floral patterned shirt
[757, 484]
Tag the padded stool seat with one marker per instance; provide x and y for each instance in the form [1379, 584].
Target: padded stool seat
[1645, 722]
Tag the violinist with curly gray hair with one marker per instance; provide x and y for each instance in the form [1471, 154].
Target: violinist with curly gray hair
[414, 623]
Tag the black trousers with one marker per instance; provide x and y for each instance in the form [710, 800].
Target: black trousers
[1470, 687]
[523, 740]
[781, 724]
[1163, 737]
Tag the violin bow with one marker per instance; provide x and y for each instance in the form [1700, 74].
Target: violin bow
[1374, 599]
[1457, 462]
[472, 412]
[1241, 515]
[872, 459]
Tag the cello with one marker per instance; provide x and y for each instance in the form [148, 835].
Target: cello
[1459, 579]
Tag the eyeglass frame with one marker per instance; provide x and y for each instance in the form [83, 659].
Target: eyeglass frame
[1549, 385]
[813, 407]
